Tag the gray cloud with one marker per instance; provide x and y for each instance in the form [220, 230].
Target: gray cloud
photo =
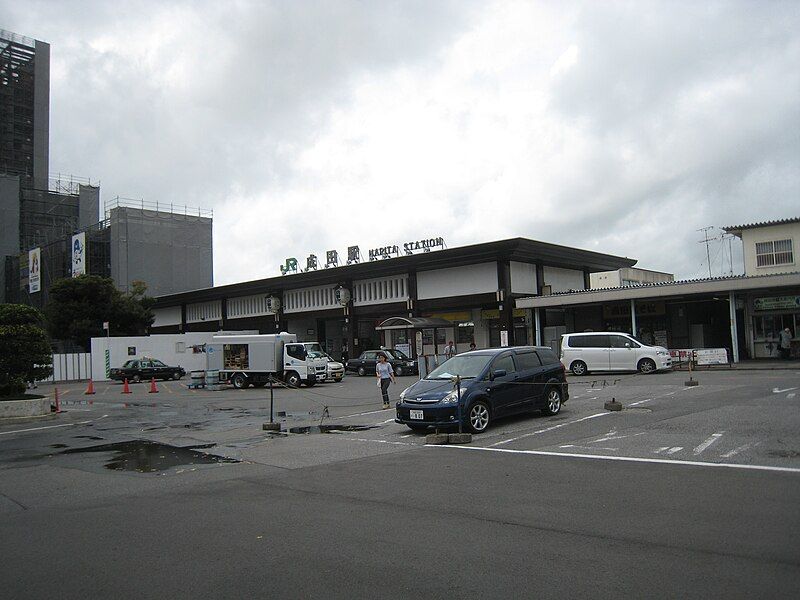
[298, 122]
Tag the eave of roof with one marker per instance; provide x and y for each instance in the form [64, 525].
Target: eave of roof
[733, 228]
[517, 249]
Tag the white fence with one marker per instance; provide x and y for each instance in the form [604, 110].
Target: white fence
[71, 367]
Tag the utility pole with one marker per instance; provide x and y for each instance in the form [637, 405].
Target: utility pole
[708, 254]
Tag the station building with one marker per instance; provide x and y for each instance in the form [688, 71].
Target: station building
[416, 302]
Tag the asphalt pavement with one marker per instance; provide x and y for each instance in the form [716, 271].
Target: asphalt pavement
[688, 492]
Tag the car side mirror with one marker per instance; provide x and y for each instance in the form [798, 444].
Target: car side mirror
[499, 373]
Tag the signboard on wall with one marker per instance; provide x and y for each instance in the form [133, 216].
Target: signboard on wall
[35, 270]
[503, 338]
[777, 303]
[79, 254]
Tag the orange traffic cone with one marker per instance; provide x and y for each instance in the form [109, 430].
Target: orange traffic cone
[153, 388]
[125, 388]
[89, 390]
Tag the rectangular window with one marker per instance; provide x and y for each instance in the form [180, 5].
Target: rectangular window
[465, 333]
[770, 254]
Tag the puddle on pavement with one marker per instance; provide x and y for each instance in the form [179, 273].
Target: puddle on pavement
[58, 445]
[87, 437]
[142, 456]
[330, 428]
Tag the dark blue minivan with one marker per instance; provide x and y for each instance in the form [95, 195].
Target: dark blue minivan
[494, 383]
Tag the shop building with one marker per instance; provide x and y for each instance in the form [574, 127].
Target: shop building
[468, 292]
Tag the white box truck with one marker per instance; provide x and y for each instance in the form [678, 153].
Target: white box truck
[245, 360]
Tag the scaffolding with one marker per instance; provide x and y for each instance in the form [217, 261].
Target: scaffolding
[157, 207]
[17, 58]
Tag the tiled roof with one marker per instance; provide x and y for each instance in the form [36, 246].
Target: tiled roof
[730, 228]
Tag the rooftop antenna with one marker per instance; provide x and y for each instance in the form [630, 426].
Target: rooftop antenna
[708, 254]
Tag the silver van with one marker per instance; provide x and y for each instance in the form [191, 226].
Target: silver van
[611, 351]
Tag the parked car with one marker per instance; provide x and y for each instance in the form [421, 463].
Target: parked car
[137, 369]
[611, 351]
[494, 383]
[334, 370]
[365, 364]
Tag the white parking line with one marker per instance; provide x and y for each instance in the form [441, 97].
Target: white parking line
[714, 437]
[51, 426]
[361, 414]
[546, 429]
[662, 461]
[675, 449]
[613, 436]
[742, 448]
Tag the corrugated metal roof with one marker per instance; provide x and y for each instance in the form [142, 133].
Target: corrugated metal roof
[730, 228]
[660, 284]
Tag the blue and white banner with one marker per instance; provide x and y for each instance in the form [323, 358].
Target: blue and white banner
[79, 254]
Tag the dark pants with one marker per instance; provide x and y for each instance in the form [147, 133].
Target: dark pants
[385, 389]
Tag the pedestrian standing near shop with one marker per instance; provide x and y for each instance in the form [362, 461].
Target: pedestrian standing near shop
[385, 375]
[471, 346]
[449, 350]
[785, 343]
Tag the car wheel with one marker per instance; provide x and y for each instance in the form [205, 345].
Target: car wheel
[647, 365]
[553, 401]
[578, 368]
[293, 379]
[399, 371]
[136, 379]
[361, 371]
[479, 417]
[417, 427]
[176, 376]
[239, 381]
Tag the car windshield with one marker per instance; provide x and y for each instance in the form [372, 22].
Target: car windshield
[467, 366]
[130, 364]
[158, 363]
[315, 354]
[397, 354]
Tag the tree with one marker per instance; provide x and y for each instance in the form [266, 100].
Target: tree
[78, 306]
[25, 353]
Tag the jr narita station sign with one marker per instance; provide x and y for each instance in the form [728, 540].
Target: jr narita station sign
[354, 255]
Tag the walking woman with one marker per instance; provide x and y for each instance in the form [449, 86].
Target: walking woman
[385, 375]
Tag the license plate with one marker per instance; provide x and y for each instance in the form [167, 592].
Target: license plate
[415, 414]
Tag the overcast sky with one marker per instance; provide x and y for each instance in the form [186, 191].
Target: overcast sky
[620, 127]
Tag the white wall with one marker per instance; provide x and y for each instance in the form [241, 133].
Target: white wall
[381, 290]
[523, 278]
[457, 281]
[605, 279]
[769, 234]
[170, 315]
[561, 280]
[166, 348]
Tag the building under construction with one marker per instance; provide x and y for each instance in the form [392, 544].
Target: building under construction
[167, 247]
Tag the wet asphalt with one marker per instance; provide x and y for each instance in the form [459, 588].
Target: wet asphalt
[181, 494]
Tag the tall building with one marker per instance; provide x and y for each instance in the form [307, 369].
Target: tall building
[24, 108]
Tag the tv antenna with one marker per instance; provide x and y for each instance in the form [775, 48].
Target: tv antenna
[705, 231]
